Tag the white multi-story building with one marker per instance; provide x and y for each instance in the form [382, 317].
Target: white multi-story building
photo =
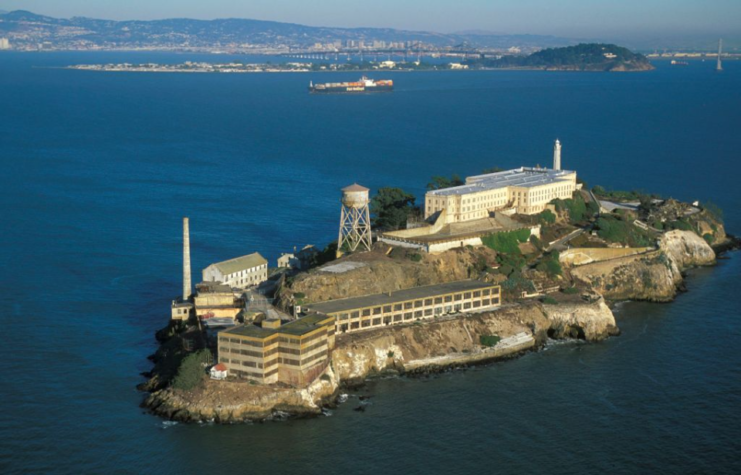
[4, 43]
[524, 190]
[240, 272]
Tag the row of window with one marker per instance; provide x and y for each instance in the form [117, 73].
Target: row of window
[366, 312]
[346, 324]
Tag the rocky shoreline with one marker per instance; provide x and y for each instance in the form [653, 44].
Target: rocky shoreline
[452, 342]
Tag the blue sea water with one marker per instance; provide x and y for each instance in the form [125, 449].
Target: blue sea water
[99, 168]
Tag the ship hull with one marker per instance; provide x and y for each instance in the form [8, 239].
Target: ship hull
[349, 89]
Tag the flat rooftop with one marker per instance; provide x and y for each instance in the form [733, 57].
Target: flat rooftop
[298, 327]
[522, 177]
[343, 305]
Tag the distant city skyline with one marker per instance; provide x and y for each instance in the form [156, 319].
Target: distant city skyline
[569, 18]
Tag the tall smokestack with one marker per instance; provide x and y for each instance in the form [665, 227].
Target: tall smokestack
[186, 260]
[557, 155]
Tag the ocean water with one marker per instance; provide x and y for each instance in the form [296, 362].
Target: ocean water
[99, 168]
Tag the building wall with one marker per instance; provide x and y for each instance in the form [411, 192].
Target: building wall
[419, 309]
[479, 205]
[243, 278]
[281, 357]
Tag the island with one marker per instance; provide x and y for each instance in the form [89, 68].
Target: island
[489, 267]
[583, 57]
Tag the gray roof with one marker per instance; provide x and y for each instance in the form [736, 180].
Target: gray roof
[522, 177]
[240, 263]
[343, 305]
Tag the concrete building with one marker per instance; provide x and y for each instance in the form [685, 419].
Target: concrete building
[295, 353]
[219, 371]
[523, 190]
[240, 272]
[405, 306]
[216, 300]
[4, 43]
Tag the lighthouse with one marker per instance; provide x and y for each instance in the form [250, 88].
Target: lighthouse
[557, 155]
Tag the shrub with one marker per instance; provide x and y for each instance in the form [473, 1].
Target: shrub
[546, 217]
[489, 340]
[708, 237]
[549, 300]
[682, 224]
[550, 264]
[299, 295]
[190, 373]
[390, 354]
[575, 206]
[416, 257]
[570, 290]
[506, 242]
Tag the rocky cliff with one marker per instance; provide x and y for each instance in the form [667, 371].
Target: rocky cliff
[457, 341]
[382, 271]
[654, 276]
[415, 347]
[228, 401]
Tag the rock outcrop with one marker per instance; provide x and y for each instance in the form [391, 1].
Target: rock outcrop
[654, 276]
[417, 347]
[228, 401]
[375, 273]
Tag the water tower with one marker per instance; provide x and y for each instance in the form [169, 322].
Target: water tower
[355, 228]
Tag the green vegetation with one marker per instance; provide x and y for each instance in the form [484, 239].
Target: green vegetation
[191, 371]
[570, 290]
[546, 217]
[584, 57]
[507, 242]
[391, 207]
[437, 182]
[709, 238]
[549, 300]
[299, 295]
[489, 340]
[683, 224]
[576, 207]
[614, 229]
[550, 264]
[622, 196]
[535, 241]
[415, 257]
[390, 354]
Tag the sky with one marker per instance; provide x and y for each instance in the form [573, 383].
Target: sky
[569, 18]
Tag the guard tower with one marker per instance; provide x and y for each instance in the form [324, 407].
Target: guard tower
[355, 228]
[557, 155]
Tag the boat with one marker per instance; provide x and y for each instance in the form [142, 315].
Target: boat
[679, 63]
[362, 85]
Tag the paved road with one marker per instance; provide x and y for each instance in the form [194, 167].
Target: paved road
[561, 243]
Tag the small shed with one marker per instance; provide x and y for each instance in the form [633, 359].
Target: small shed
[219, 371]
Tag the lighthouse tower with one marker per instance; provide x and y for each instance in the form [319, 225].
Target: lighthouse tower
[557, 155]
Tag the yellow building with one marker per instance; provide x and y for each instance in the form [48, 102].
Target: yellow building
[523, 190]
[295, 353]
[405, 306]
[216, 300]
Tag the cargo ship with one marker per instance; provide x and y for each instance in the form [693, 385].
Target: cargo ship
[362, 85]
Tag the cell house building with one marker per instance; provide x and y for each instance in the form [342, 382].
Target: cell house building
[405, 306]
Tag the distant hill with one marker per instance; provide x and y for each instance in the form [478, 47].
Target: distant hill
[27, 29]
[582, 57]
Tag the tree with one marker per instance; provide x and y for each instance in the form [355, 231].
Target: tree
[391, 207]
[437, 182]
